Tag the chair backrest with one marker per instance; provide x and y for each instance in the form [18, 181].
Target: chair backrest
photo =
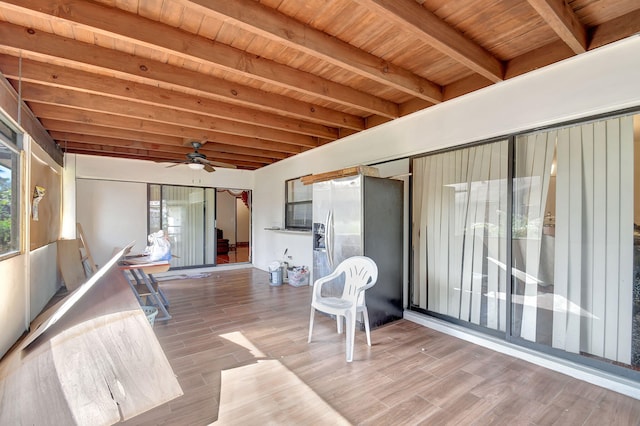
[360, 272]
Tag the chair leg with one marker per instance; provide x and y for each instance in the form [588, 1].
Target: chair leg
[313, 311]
[339, 323]
[365, 319]
[350, 320]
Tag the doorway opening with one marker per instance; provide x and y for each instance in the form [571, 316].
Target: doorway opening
[233, 226]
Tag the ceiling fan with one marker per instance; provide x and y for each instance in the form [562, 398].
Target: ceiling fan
[198, 161]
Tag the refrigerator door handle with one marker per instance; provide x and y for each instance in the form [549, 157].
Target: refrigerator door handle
[329, 237]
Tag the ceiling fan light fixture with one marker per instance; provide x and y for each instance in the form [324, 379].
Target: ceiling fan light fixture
[196, 166]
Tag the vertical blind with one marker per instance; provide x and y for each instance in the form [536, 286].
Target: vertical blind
[459, 246]
[594, 239]
[187, 214]
[572, 238]
[534, 158]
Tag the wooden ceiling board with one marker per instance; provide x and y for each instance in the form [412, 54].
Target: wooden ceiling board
[191, 21]
[274, 4]
[597, 12]
[151, 9]
[443, 9]
[301, 11]
[327, 71]
[454, 12]
[361, 27]
[316, 68]
[28, 20]
[444, 72]
[506, 29]
[209, 27]
[333, 10]
[172, 13]
[132, 6]
[344, 26]
[520, 44]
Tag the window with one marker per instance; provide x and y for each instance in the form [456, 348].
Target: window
[459, 206]
[575, 247]
[545, 254]
[9, 191]
[187, 215]
[298, 205]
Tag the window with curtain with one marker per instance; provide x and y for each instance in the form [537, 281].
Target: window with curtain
[573, 286]
[187, 215]
[459, 240]
[575, 239]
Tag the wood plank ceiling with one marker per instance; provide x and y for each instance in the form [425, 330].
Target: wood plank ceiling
[259, 81]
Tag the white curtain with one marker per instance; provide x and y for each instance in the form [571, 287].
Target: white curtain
[594, 239]
[534, 158]
[184, 220]
[459, 218]
[418, 229]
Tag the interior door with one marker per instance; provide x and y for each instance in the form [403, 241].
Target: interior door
[233, 225]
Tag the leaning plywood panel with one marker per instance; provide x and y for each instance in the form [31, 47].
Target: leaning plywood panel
[70, 263]
[93, 360]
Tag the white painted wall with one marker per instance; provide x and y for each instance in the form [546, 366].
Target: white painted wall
[30, 279]
[600, 81]
[243, 222]
[112, 215]
[44, 278]
[123, 169]
[226, 215]
[111, 196]
[13, 303]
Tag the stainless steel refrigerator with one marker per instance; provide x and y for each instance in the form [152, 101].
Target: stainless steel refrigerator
[361, 216]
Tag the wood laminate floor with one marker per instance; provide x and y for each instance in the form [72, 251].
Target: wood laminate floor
[239, 348]
[239, 254]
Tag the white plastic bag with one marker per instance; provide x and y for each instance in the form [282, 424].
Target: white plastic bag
[159, 247]
[299, 276]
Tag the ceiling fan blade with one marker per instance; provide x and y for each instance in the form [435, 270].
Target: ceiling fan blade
[208, 168]
[175, 164]
[220, 164]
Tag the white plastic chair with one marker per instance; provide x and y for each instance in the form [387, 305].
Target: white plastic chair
[361, 273]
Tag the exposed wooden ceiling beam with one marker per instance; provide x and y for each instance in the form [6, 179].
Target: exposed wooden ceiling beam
[68, 78]
[65, 130]
[45, 111]
[59, 48]
[207, 148]
[96, 103]
[465, 85]
[168, 156]
[271, 79]
[212, 148]
[538, 58]
[561, 18]
[269, 23]
[615, 29]
[120, 24]
[138, 155]
[412, 16]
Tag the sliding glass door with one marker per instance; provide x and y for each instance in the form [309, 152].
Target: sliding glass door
[187, 215]
[459, 239]
[574, 256]
[567, 282]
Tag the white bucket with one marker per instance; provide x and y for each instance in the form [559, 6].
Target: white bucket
[276, 273]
